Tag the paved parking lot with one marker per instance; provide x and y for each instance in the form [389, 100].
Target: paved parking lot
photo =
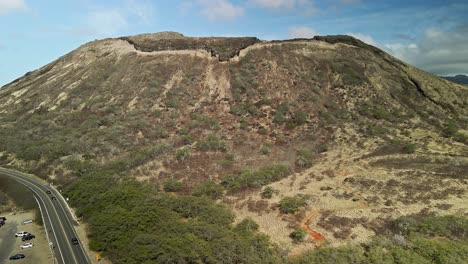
[10, 245]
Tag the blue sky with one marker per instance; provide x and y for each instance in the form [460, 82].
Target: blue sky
[432, 35]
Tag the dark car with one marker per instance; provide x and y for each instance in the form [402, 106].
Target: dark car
[17, 256]
[3, 218]
[48, 192]
[74, 241]
[28, 237]
[53, 198]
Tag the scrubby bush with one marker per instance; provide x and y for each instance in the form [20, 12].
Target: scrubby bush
[212, 143]
[450, 128]
[172, 185]
[182, 154]
[289, 205]
[267, 192]
[298, 234]
[409, 148]
[304, 158]
[203, 121]
[255, 179]
[210, 189]
[247, 225]
[300, 118]
[265, 150]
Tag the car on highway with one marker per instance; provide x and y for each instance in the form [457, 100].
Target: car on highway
[27, 245]
[3, 218]
[48, 192]
[74, 241]
[28, 237]
[21, 234]
[27, 222]
[53, 198]
[17, 256]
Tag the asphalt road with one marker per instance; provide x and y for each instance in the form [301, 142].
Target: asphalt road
[57, 219]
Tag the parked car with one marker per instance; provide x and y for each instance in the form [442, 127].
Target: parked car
[21, 234]
[28, 237]
[27, 245]
[17, 256]
[27, 222]
[3, 218]
[74, 241]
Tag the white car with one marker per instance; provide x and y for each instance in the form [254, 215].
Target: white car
[27, 222]
[21, 234]
[27, 245]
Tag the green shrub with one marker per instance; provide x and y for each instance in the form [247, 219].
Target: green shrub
[298, 234]
[281, 110]
[172, 185]
[452, 226]
[255, 179]
[244, 109]
[186, 139]
[267, 192]
[158, 133]
[3, 199]
[203, 121]
[450, 129]
[265, 150]
[376, 130]
[212, 143]
[304, 158]
[247, 225]
[262, 131]
[182, 154]
[289, 205]
[409, 148]
[300, 118]
[210, 189]
[342, 255]
[279, 118]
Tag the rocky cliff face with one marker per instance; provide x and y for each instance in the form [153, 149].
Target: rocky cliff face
[359, 132]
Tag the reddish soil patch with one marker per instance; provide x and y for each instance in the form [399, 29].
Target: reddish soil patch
[305, 224]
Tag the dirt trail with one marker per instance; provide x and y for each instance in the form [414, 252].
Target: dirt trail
[305, 224]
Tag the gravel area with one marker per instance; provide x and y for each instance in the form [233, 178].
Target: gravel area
[10, 245]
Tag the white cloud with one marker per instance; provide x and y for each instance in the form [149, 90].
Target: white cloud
[107, 22]
[11, 5]
[440, 52]
[365, 38]
[220, 9]
[275, 4]
[301, 32]
[110, 21]
[305, 7]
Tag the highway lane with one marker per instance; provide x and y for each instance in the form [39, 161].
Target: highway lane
[57, 219]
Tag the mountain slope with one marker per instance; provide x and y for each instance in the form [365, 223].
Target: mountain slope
[351, 130]
[460, 79]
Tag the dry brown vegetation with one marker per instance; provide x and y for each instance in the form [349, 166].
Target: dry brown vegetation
[365, 138]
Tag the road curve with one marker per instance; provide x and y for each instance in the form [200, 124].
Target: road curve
[57, 219]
